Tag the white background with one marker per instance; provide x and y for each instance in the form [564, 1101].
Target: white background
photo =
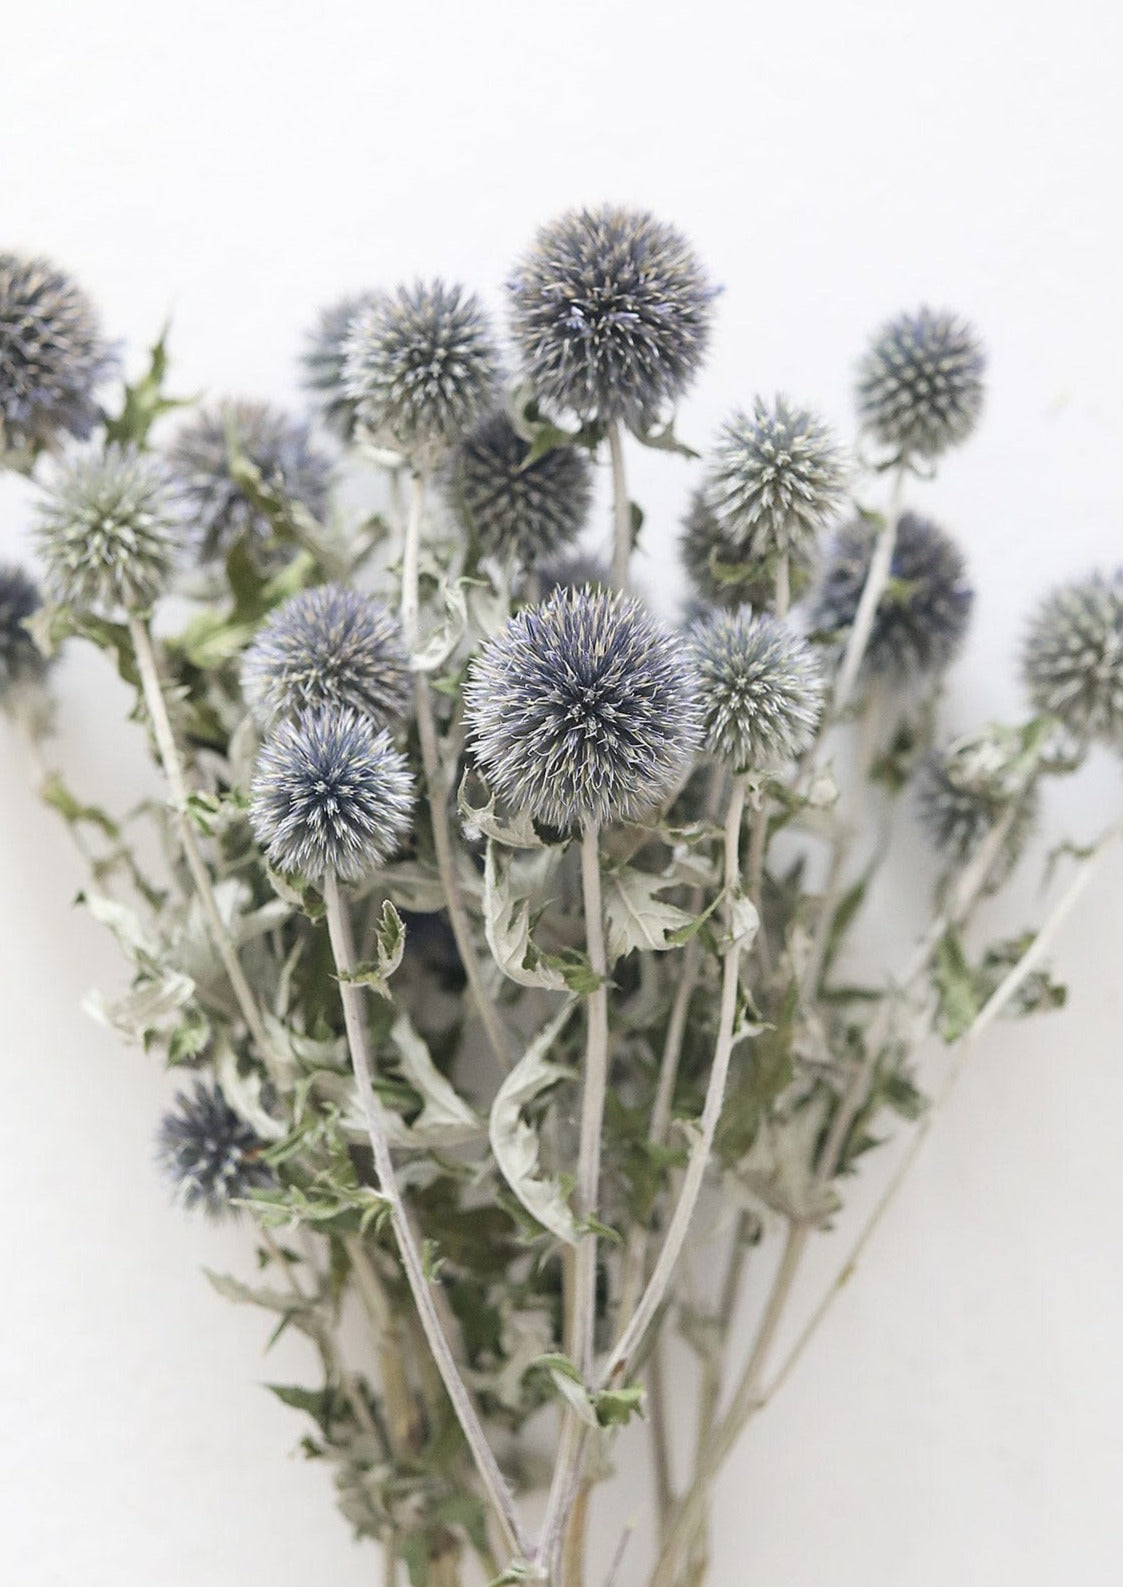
[961, 1418]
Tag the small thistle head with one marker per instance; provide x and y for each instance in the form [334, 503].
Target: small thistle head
[529, 512]
[721, 573]
[774, 480]
[21, 660]
[209, 1154]
[1073, 657]
[920, 385]
[760, 688]
[611, 314]
[329, 646]
[52, 357]
[964, 792]
[330, 796]
[421, 367]
[582, 710]
[322, 362]
[216, 505]
[922, 615]
[108, 527]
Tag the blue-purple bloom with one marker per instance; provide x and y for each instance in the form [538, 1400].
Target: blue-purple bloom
[582, 710]
[209, 1154]
[322, 362]
[528, 511]
[1073, 656]
[920, 385]
[21, 660]
[760, 687]
[330, 796]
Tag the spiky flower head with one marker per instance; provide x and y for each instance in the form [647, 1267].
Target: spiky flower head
[1073, 657]
[774, 480]
[21, 660]
[52, 357]
[329, 646]
[108, 528]
[330, 795]
[923, 613]
[760, 687]
[964, 792]
[210, 1155]
[529, 511]
[582, 710]
[720, 573]
[610, 313]
[218, 510]
[920, 385]
[322, 362]
[421, 366]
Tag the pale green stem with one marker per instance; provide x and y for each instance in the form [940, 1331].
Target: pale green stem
[621, 511]
[783, 587]
[874, 588]
[173, 770]
[351, 994]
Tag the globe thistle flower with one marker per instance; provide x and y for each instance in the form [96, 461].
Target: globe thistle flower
[216, 505]
[760, 688]
[963, 794]
[1073, 657]
[52, 357]
[322, 362]
[107, 529]
[716, 569]
[582, 710]
[211, 1156]
[774, 480]
[421, 367]
[920, 385]
[330, 795]
[329, 646]
[923, 612]
[529, 512]
[611, 314]
[21, 660]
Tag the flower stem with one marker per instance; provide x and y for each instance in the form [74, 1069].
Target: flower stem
[351, 995]
[168, 749]
[621, 511]
[876, 580]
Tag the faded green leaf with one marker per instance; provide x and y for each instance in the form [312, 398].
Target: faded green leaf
[515, 1142]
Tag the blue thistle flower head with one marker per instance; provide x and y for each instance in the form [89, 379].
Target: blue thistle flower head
[760, 688]
[216, 506]
[1072, 661]
[774, 480]
[529, 512]
[21, 660]
[330, 795]
[421, 367]
[52, 357]
[209, 1154]
[920, 384]
[582, 710]
[922, 616]
[329, 646]
[611, 313]
[322, 362]
[107, 529]
[721, 574]
[963, 793]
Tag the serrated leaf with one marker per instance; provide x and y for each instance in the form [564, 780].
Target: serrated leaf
[616, 1407]
[481, 821]
[445, 1118]
[507, 923]
[959, 998]
[54, 792]
[636, 917]
[515, 1142]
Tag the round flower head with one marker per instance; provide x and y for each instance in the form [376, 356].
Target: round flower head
[107, 530]
[329, 646]
[774, 480]
[211, 1156]
[322, 362]
[217, 508]
[52, 357]
[330, 796]
[574, 573]
[720, 573]
[965, 792]
[515, 510]
[610, 313]
[21, 660]
[923, 612]
[760, 688]
[421, 367]
[920, 385]
[582, 710]
[1073, 657]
